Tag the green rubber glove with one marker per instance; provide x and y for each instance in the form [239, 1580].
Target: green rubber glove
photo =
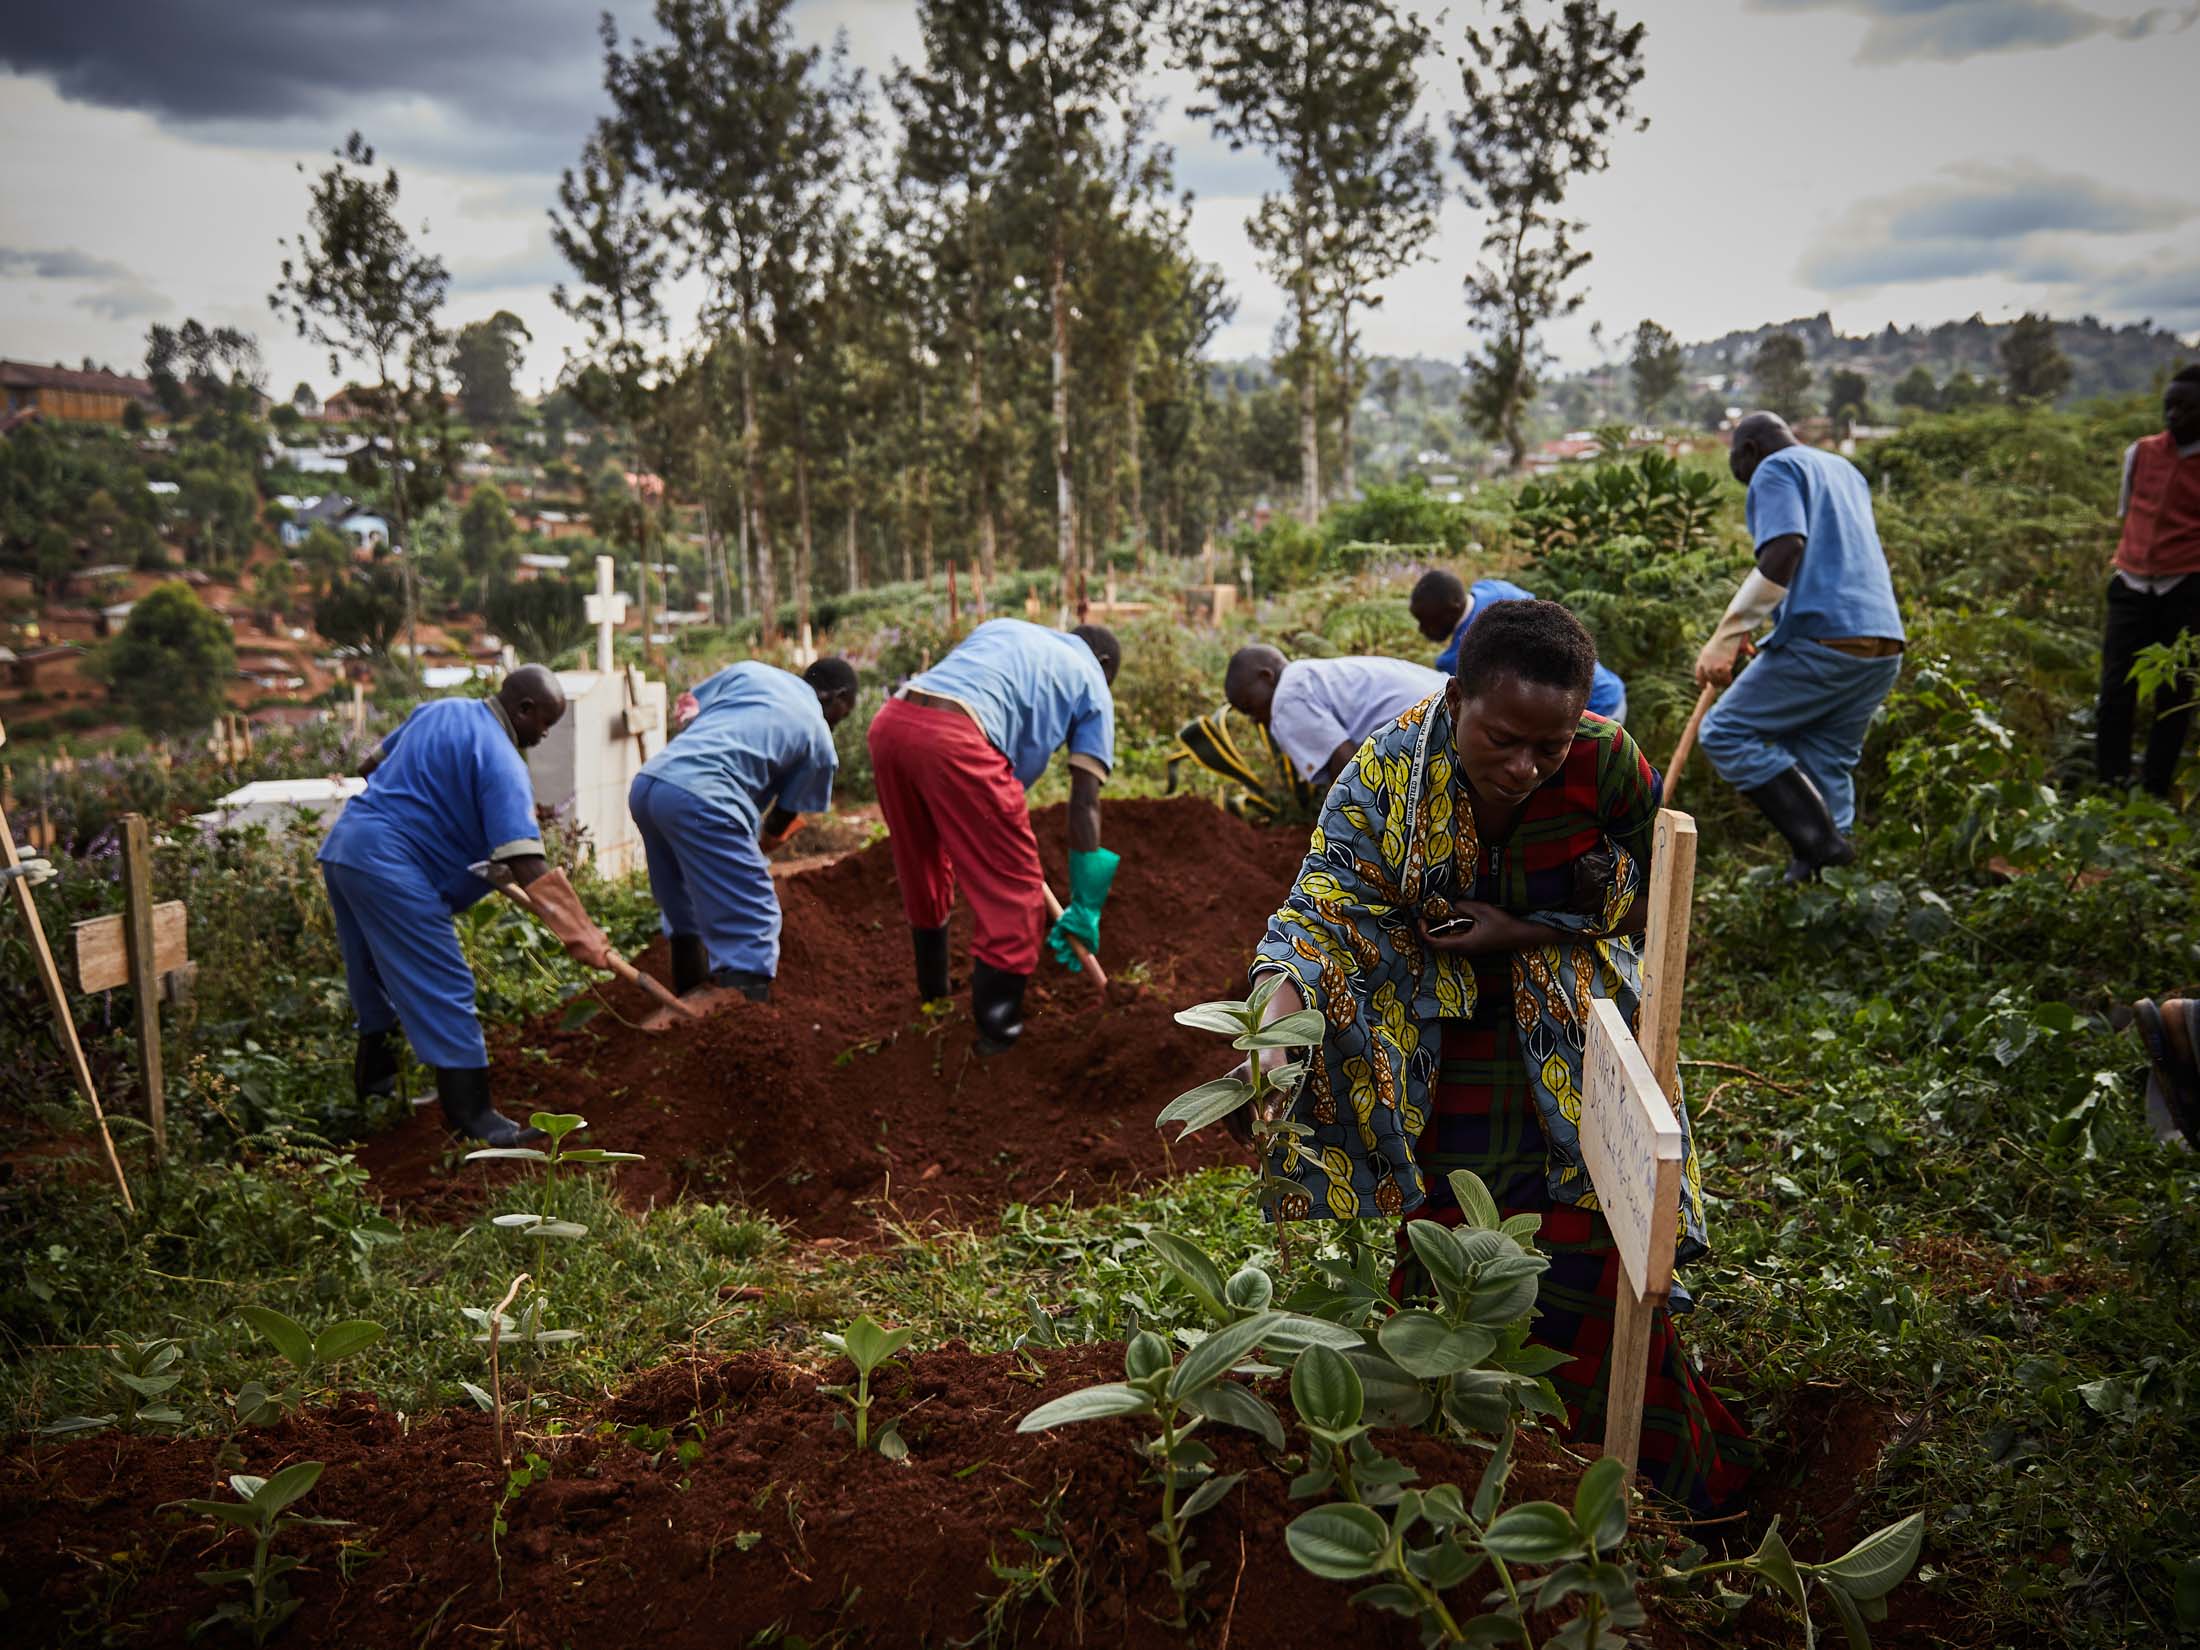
[1090, 877]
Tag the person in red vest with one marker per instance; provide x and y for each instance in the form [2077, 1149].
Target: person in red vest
[2154, 594]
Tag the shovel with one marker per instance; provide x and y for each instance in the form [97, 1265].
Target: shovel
[1091, 962]
[552, 901]
[1687, 744]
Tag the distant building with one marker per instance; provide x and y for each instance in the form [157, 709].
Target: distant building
[38, 667]
[535, 565]
[63, 393]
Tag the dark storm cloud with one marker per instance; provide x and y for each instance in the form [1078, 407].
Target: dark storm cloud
[1982, 220]
[485, 84]
[1948, 31]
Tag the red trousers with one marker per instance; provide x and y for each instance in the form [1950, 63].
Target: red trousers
[954, 809]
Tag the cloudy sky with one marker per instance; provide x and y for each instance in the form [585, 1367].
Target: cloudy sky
[1903, 160]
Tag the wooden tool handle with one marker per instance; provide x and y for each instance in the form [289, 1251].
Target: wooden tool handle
[1687, 744]
[618, 964]
[1091, 962]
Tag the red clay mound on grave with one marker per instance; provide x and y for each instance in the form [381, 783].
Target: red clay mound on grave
[777, 1522]
[835, 1103]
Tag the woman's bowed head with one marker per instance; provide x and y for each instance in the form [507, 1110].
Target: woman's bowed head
[1525, 670]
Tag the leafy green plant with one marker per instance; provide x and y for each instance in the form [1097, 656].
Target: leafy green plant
[1856, 1584]
[313, 1357]
[867, 1346]
[262, 1510]
[1652, 498]
[142, 1372]
[517, 1481]
[1277, 1139]
[542, 1223]
[1177, 1397]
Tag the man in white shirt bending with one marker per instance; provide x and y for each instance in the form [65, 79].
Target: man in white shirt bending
[1318, 711]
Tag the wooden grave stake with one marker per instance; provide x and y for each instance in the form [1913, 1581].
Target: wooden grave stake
[954, 609]
[1665, 945]
[1630, 1135]
[1632, 1143]
[57, 999]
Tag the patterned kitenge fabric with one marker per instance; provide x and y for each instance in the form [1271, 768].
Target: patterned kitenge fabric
[1393, 834]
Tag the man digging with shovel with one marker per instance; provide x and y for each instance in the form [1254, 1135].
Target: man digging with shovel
[446, 789]
[753, 755]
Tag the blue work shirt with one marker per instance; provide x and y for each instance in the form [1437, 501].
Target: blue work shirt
[1031, 691]
[451, 789]
[1607, 693]
[760, 736]
[1843, 587]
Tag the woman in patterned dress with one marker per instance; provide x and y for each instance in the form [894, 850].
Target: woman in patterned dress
[1475, 878]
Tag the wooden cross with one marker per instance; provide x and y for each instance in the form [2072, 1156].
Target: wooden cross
[146, 947]
[57, 999]
[606, 610]
[1630, 1136]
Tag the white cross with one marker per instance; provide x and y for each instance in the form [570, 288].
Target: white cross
[606, 611]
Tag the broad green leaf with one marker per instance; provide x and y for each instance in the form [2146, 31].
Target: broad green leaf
[1249, 1290]
[341, 1340]
[1535, 1532]
[1209, 1103]
[556, 1124]
[147, 1386]
[1776, 1564]
[1213, 1357]
[1304, 1029]
[1237, 1406]
[1092, 1403]
[1338, 1541]
[1325, 1389]
[1394, 1398]
[597, 1154]
[1477, 1209]
[479, 1395]
[518, 1154]
[1491, 1490]
[1424, 1345]
[567, 1229]
[286, 1334]
[870, 1344]
[1394, 1596]
[1189, 1262]
[1444, 1565]
[1295, 1331]
[1600, 1504]
[1852, 1619]
[1439, 1252]
[293, 1483]
[75, 1423]
[1520, 1228]
[238, 1513]
[1499, 1303]
[1225, 1017]
[1208, 1493]
[1875, 1565]
[1146, 1356]
[552, 1337]
[1491, 1631]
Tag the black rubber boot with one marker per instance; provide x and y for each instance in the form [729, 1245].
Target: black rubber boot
[997, 1004]
[464, 1091]
[756, 987]
[374, 1067]
[690, 963]
[932, 981]
[1800, 814]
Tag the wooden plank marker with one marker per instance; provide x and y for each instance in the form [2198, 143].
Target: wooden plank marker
[145, 971]
[1632, 1143]
[57, 999]
[1665, 945]
[102, 946]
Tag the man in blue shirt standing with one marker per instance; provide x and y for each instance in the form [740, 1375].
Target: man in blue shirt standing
[953, 754]
[753, 737]
[1789, 731]
[1443, 608]
[447, 789]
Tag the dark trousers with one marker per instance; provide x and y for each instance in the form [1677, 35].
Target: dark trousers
[2137, 620]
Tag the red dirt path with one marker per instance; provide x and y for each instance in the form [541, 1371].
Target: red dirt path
[834, 1104]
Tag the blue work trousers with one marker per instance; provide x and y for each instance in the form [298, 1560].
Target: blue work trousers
[403, 964]
[709, 876]
[1804, 705]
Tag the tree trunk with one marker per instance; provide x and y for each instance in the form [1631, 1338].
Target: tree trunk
[403, 524]
[752, 484]
[1065, 493]
[805, 542]
[987, 532]
[741, 539]
[1348, 395]
[855, 558]
[1310, 430]
[1133, 475]
[641, 500]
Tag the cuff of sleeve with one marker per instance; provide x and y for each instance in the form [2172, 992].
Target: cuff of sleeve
[530, 847]
[1089, 764]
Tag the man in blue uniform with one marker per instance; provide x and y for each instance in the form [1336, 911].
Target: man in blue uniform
[1443, 608]
[1320, 711]
[1789, 731]
[953, 754]
[753, 738]
[447, 789]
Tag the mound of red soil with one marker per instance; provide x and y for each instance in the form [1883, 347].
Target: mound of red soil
[775, 1522]
[836, 1102]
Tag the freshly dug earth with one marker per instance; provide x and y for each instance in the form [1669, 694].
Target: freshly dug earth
[776, 1522]
[838, 1103]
